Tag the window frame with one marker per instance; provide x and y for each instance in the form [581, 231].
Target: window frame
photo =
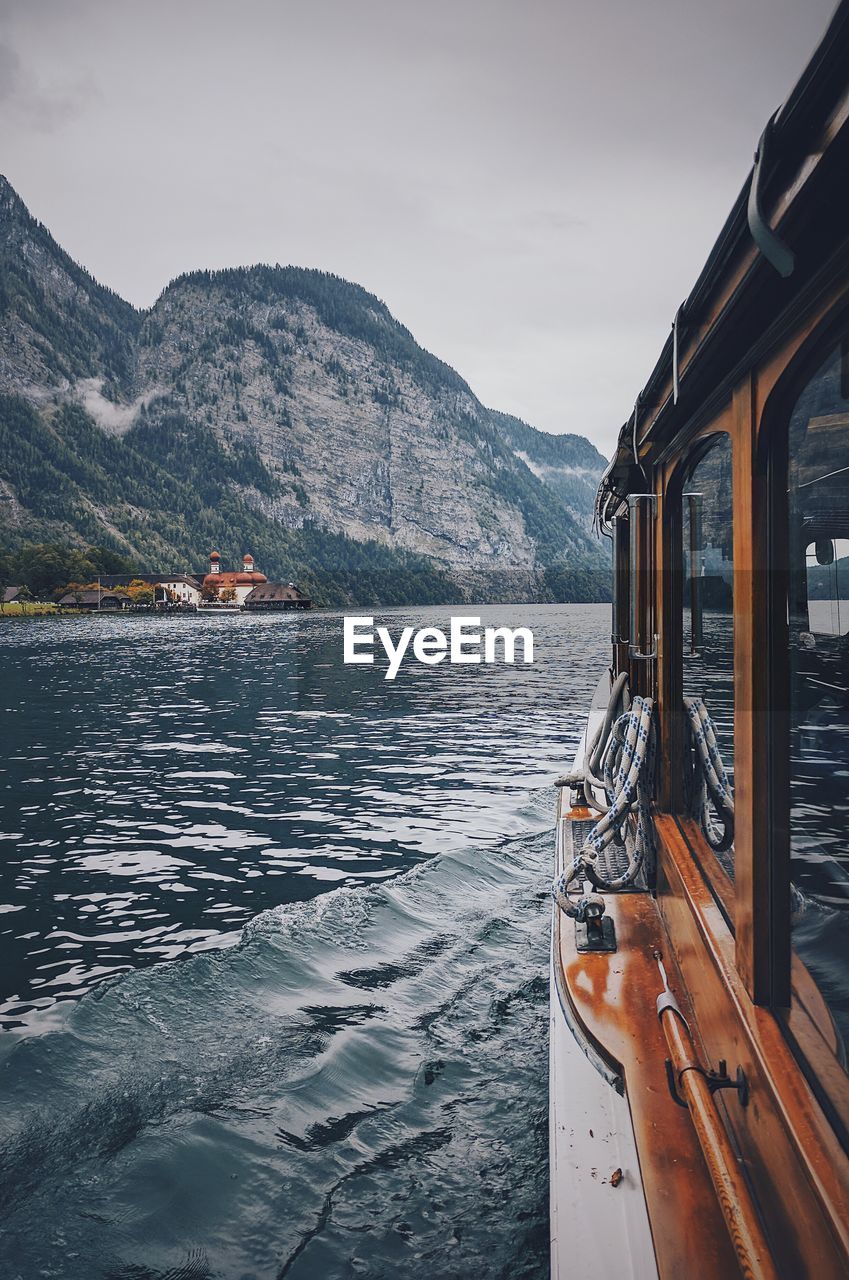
[793, 995]
[721, 885]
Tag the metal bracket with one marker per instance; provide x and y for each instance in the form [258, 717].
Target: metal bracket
[716, 1080]
[771, 245]
[598, 934]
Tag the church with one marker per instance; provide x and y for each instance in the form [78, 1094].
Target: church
[230, 587]
[247, 588]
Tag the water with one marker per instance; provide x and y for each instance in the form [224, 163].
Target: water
[275, 949]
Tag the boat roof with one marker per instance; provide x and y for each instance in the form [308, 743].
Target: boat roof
[799, 120]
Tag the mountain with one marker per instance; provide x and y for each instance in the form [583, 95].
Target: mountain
[278, 410]
[571, 466]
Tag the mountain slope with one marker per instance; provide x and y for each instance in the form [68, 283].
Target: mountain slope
[276, 408]
[57, 324]
[569, 465]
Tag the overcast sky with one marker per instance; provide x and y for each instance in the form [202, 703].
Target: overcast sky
[531, 185]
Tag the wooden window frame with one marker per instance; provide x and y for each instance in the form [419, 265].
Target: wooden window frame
[774, 974]
[671, 673]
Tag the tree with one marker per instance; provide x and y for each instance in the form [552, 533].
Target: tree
[25, 596]
[140, 593]
[227, 595]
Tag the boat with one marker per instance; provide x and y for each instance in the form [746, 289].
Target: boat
[699, 1096]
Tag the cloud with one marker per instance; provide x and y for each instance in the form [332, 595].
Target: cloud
[44, 108]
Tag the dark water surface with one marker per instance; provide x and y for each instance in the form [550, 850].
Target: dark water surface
[274, 948]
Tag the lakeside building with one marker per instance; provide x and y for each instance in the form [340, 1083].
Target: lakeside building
[91, 598]
[276, 595]
[245, 588]
[181, 589]
[230, 586]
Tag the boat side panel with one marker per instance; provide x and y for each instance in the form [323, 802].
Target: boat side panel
[599, 1223]
[613, 996]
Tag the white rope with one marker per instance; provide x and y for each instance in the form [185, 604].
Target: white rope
[628, 768]
[628, 772]
[714, 785]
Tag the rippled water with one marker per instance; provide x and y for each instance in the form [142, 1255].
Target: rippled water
[274, 943]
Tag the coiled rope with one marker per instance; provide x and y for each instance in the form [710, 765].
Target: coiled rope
[714, 786]
[624, 748]
[591, 776]
[628, 769]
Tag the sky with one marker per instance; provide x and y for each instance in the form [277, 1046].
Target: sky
[532, 186]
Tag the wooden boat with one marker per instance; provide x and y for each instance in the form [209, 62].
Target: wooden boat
[700, 940]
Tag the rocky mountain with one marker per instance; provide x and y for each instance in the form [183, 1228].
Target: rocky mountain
[279, 410]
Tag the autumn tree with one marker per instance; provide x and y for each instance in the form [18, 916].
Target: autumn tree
[140, 593]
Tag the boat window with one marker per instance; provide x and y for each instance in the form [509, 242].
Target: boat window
[818, 621]
[708, 635]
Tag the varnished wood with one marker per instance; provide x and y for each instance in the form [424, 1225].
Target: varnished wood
[732, 1191]
[613, 999]
[796, 1166]
[762, 889]
[720, 883]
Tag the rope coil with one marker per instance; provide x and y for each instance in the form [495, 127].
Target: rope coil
[628, 770]
[623, 749]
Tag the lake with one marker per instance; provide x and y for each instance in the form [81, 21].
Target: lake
[275, 945]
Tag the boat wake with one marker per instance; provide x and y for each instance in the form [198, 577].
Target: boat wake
[357, 1087]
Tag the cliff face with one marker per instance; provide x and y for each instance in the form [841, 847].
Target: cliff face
[57, 324]
[277, 405]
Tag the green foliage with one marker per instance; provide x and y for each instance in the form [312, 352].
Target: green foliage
[829, 582]
[45, 568]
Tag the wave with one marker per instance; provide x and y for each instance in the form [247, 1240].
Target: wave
[358, 1086]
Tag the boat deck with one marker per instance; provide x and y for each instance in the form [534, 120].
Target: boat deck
[608, 999]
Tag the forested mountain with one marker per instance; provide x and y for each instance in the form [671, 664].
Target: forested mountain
[570, 465]
[276, 410]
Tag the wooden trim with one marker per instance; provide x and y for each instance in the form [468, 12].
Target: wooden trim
[718, 881]
[811, 1032]
[797, 1168]
[762, 892]
[729, 1182]
[612, 997]
[747, 275]
[778, 386]
[670, 795]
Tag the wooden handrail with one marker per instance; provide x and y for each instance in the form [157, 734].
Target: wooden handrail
[694, 1088]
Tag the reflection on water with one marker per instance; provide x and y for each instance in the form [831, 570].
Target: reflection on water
[819, 799]
[351, 1077]
[709, 675]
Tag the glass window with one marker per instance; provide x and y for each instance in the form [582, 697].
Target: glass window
[818, 620]
[708, 633]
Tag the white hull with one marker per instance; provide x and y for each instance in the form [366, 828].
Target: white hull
[599, 1220]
